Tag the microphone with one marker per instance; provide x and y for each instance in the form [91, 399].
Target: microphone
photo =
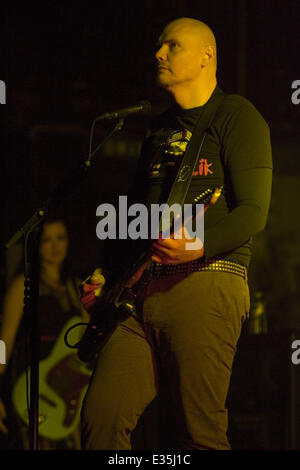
[142, 107]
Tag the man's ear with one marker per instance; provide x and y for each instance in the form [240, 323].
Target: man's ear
[208, 55]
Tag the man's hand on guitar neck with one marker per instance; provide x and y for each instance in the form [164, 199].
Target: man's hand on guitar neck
[91, 289]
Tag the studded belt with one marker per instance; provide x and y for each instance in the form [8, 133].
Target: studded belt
[157, 271]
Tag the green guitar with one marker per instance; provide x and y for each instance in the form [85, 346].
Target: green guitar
[63, 380]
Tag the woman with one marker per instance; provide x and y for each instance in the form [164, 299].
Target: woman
[62, 376]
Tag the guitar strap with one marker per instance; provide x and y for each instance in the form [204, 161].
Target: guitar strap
[184, 175]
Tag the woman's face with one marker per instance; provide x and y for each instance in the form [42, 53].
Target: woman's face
[54, 243]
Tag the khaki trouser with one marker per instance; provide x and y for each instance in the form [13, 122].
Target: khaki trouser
[187, 328]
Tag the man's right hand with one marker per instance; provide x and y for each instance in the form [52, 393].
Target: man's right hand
[91, 289]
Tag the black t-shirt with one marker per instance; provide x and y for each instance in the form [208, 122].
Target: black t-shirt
[236, 154]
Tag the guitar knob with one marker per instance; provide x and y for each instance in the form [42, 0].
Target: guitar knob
[125, 309]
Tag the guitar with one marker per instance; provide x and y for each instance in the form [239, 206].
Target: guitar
[117, 303]
[63, 381]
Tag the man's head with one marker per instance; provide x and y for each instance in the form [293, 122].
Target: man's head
[187, 54]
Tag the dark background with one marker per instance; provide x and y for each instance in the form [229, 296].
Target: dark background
[65, 64]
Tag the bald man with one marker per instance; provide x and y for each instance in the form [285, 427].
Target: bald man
[189, 315]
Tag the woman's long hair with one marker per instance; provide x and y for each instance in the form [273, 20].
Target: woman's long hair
[65, 269]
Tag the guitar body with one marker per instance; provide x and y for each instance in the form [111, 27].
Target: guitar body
[118, 302]
[63, 381]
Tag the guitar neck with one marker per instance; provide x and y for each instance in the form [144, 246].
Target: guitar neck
[139, 268]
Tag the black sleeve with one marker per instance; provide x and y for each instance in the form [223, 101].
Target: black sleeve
[248, 161]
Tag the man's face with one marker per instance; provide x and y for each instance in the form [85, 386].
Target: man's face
[179, 56]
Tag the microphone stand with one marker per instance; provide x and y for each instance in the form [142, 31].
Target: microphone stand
[31, 231]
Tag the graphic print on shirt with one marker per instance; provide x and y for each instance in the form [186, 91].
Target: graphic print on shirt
[169, 152]
[204, 168]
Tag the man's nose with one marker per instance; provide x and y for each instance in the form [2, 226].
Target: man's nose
[161, 54]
